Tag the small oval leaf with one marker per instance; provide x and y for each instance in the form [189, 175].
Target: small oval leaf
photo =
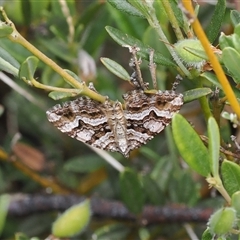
[132, 191]
[153, 192]
[7, 67]
[236, 202]
[235, 17]
[115, 68]
[8, 63]
[73, 221]
[207, 235]
[74, 75]
[214, 146]
[112, 231]
[231, 59]
[83, 164]
[190, 145]
[125, 39]
[124, 6]
[55, 95]
[215, 24]
[143, 8]
[211, 77]
[28, 68]
[196, 93]
[230, 176]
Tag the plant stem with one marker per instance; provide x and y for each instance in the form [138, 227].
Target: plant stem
[15, 36]
[212, 58]
[216, 182]
[224, 193]
[167, 6]
[154, 23]
[204, 103]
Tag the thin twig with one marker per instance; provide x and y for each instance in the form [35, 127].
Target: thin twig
[22, 205]
[108, 158]
[190, 231]
[212, 58]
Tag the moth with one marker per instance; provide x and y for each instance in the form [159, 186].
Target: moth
[112, 127]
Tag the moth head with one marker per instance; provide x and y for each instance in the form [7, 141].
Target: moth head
[117, 105]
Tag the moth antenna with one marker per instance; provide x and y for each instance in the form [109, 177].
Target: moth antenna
[133, 78]
[152, 69]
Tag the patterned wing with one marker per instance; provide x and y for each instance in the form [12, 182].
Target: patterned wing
[148, 114]
[86, 120]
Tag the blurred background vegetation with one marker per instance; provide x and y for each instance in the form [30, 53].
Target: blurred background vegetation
[36, 157]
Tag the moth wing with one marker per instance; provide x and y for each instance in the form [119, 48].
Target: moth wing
[148, 114]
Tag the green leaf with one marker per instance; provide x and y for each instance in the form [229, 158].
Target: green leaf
[115, 68]
[140, 6]
[8, 63]
[236, 202]
[211, 77]
[162, 172]
[178, 13]
[149, 153]
[84, 164]
[26, 8]
[231, 59]
[55, 95]
[230, 176]
[4, 203]
[214, 26]
[235, 17]
[222, 221]
[9, 58]
[237, 33]
[28, 68]
[112, 231]
[214, 146]
[73, 221]
[57, 48]
[124, 6]
[74, 75]
[153, 192]
[190, 146]
[196, 93]
[232, 40]
[186, 190]
[207, 235]
[132, 191]
[125, 39]
[90, 10]
[226, 41]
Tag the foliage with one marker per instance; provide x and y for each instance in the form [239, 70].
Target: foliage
[169, 169]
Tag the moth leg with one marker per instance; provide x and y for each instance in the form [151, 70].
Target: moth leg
[178, 79]
[136, 77]
[152, 68]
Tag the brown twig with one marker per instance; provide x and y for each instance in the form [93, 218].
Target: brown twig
[22, 205]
